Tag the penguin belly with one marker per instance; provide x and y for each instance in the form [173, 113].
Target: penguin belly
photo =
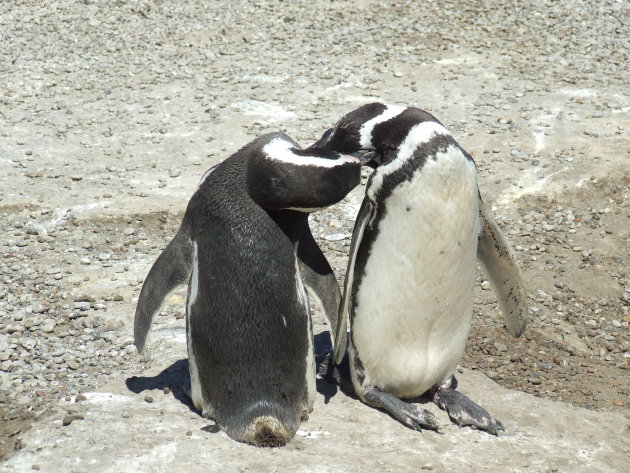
[413, 307]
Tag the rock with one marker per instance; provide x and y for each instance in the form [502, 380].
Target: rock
[70, 418]
[5, 380]
[4, 342]
[336, 237]
[39, 308]
[48, 326]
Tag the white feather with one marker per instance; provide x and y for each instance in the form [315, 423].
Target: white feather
[193, 291]
[414, 306]
[417, 136]
[366, 130]
[279, 149]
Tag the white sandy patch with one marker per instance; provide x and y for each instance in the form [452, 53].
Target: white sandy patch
[271, 111]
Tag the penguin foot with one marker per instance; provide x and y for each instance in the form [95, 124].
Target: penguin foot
[403, 412]
[463, 411]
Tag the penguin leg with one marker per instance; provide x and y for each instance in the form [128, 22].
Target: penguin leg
[462, 410]
[405, 413]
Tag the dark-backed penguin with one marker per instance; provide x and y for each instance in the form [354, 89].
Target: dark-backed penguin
[411, 271]
[245, 250]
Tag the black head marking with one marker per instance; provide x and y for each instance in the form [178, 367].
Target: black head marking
[345, 136]
[280, 176]
[387, 136]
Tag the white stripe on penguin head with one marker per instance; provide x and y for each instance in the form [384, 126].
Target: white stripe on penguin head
[279, 149]
[366, 129]
[418, 135]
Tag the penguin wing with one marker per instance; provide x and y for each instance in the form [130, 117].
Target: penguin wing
[363, 218]
[496, 256]
[319, 278]
[171, 270]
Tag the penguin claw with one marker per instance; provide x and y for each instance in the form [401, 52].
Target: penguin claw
[464, 412]
[424, 420]
[403, 412]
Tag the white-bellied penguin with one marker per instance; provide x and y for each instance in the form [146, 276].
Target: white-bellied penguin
[245, 250]
[409, 283]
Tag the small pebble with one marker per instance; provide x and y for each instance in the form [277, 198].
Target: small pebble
[70, 418]
[335, 237]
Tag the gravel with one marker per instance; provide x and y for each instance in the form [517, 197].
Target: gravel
[112, 111]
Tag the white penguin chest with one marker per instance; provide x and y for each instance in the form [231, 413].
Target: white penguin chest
[414, 305]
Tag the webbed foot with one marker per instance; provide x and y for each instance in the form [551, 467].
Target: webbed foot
[462, 410]
[403, 412]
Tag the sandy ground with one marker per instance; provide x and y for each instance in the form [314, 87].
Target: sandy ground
[111, 111]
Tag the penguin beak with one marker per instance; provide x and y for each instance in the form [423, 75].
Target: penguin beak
[368, 157]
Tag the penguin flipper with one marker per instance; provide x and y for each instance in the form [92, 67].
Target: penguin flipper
[363, 218]
[319, 278]
[171, 270]
[497, 258]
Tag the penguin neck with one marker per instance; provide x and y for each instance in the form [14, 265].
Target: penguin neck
[291, 222]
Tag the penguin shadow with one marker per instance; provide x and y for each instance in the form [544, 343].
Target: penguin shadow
[331, 378]
[175, 377]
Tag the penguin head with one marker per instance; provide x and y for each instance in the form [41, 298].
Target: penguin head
[346, 135]
[355, 133]
[282, 176]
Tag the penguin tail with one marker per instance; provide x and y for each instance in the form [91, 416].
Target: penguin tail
[267, 431]
[262, 423]
[171, 270]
